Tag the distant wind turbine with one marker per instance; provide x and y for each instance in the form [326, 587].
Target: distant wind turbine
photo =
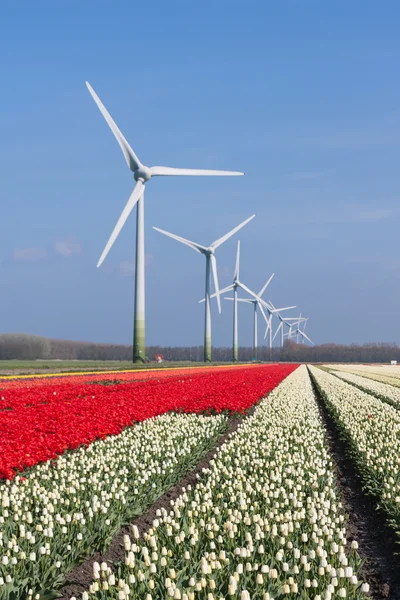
[259, 303]
[235, 285]
[141, 174]
[302, 334]
[284, 321]
[211, 265]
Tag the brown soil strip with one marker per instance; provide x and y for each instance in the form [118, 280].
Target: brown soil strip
[377, 541]
[81, 577]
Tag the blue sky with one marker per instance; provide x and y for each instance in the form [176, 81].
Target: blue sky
[302, 96]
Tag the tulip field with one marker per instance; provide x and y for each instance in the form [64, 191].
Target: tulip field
[84, 456]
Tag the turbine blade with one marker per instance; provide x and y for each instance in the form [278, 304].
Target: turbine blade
[194, 245]
[216, 284]
[246, 289]
[278, 330]
[266, 285]
[155, 171]
[263, 312]
[236, 273]
[240, 300]
[138, 190]
[231, 233]
[265, 305]
[305, 336]
[291, 318]
[275, 310]
[226, 289]
[130, 157]
[269, 324]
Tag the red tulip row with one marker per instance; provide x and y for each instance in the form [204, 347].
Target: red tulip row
[35, 381]
[63, 417]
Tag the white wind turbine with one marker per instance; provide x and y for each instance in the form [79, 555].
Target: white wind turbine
[284, 321]
[296, 322]
[303, 335]
[259, 303]
[301, 332]
[211, 265]
[141, 174]
[235, 285]
[298, 328]
[270, 308]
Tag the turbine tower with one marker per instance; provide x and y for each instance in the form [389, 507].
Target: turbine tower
[211, 265]
[141, 174]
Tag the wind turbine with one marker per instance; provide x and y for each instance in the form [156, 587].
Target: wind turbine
[211, 265]
[235, 285]
[296, 323]
[297, 330]
[302, 334]
[284, 321]
[271, 312]
[141, 174]
[255, 304]
[259, 303]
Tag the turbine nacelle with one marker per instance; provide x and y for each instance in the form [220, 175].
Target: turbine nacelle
[143, 173]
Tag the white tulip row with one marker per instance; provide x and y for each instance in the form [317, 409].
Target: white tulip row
[389, 370]
[64, 509]
[264, 522]
[372, 428]
[386, 374]
[376, 388]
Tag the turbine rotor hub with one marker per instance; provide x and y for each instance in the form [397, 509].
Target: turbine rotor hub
[142, 173]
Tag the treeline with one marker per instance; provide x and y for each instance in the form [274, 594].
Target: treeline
[31, 347]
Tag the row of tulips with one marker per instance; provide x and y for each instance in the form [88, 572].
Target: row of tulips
[383, 391]
[17, 382]
[264, 522]
[372, 429]
[62, 510]
[39, 424]
[383, 375]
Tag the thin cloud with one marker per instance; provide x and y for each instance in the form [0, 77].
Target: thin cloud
[378, 214]
[127, 268]
[68, 248]
[29, 255]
